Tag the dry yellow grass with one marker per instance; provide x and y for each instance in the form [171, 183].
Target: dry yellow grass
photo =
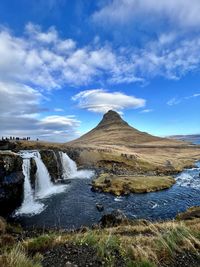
[119, 185]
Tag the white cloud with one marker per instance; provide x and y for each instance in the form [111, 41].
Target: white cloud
[53, 121]
[51, 128]
[35, 32]
[171, 62]
[58, 109]
[192, 96]
[47, 62]
[20, 115]
[100, 100]
[183, 13]
[18, 99]
[175, 100]
[146, 110]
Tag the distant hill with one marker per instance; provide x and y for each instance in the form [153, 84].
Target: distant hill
[114, 131]
[193, 138]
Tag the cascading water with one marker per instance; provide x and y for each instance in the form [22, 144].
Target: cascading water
[43, 180]
[29, 205]
[69, 168]
[190, 177]
[43, 187]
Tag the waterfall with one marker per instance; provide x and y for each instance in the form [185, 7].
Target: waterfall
[44, 186]
[43, 179]
[29, 205]
[69, 168]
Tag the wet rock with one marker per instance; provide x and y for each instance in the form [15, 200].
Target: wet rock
[11, 182]
[66, 181]
[189, 214]
[99, 207]
[115, 218]
[33, 171]
[50, 159]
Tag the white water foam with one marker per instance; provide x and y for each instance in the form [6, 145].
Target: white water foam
[189, 178]
[69, 168]
[155, 206]
[118, 199]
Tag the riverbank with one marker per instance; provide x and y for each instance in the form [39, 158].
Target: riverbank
[126, 243]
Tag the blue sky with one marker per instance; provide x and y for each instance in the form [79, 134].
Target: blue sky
[64, 63]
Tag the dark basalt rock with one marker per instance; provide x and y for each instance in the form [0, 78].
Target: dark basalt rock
[11, 182]
[115, 218]
[33, 171]
[51, 161]
[99, 207]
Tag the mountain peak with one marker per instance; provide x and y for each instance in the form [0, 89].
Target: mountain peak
[113, 131]
[111, 114]
[111, 117]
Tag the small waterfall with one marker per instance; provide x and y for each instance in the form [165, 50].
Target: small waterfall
[68, 165]
[43, 179]
[44, 186]
[69, 168]
[29, 205]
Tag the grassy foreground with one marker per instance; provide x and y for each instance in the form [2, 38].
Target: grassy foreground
[133, 244]
[119, 185]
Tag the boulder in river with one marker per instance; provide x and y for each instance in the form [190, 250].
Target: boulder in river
[114, 218]
[99, 207]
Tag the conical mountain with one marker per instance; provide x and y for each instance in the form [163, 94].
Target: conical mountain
[113, 130]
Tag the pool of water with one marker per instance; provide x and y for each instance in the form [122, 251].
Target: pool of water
[76, 206]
